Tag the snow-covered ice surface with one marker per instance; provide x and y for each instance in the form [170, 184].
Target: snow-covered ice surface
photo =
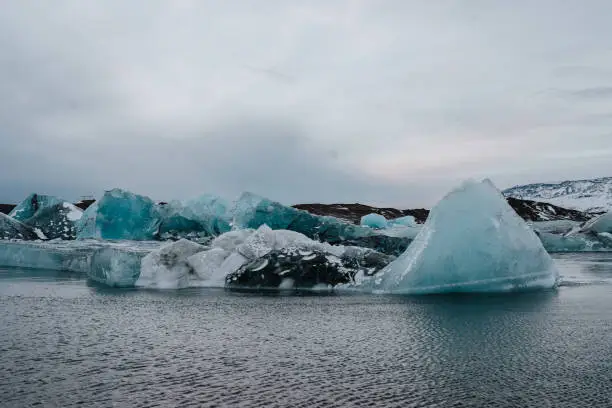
[473, 241]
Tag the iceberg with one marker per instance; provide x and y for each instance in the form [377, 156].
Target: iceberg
[13, 229]
[120, 214]
[473, 241]
[167, 267]
[49, 216]
[234, 258]
[252, 211]
[373, 220]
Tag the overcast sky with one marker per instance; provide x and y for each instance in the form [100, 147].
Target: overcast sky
[382, 102]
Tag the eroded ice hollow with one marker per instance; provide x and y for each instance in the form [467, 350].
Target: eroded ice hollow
[473, 241]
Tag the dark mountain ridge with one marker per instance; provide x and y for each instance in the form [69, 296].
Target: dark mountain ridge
[527, 209]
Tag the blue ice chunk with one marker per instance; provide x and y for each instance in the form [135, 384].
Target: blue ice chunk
[473, 241]
[121, 214]
[407, 221]
[253, 211]
[373, 220]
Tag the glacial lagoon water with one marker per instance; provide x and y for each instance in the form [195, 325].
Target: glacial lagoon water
[67, 342]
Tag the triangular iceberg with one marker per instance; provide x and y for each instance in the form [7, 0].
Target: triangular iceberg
[473, 241]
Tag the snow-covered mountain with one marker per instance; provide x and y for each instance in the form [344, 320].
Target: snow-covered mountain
[593, 195]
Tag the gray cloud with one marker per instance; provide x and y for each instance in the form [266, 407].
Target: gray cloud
[320, 101]
[593, 93]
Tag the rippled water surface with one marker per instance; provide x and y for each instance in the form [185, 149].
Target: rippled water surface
[65, 342]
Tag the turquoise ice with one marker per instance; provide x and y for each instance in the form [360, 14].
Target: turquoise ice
[120, 214]
[202, 217]
[373, 220]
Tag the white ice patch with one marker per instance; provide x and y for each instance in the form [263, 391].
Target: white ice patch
[74, 213]
[39, 233]
[167, 267]
[286, 284]
[206, 263]
[262, 266]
